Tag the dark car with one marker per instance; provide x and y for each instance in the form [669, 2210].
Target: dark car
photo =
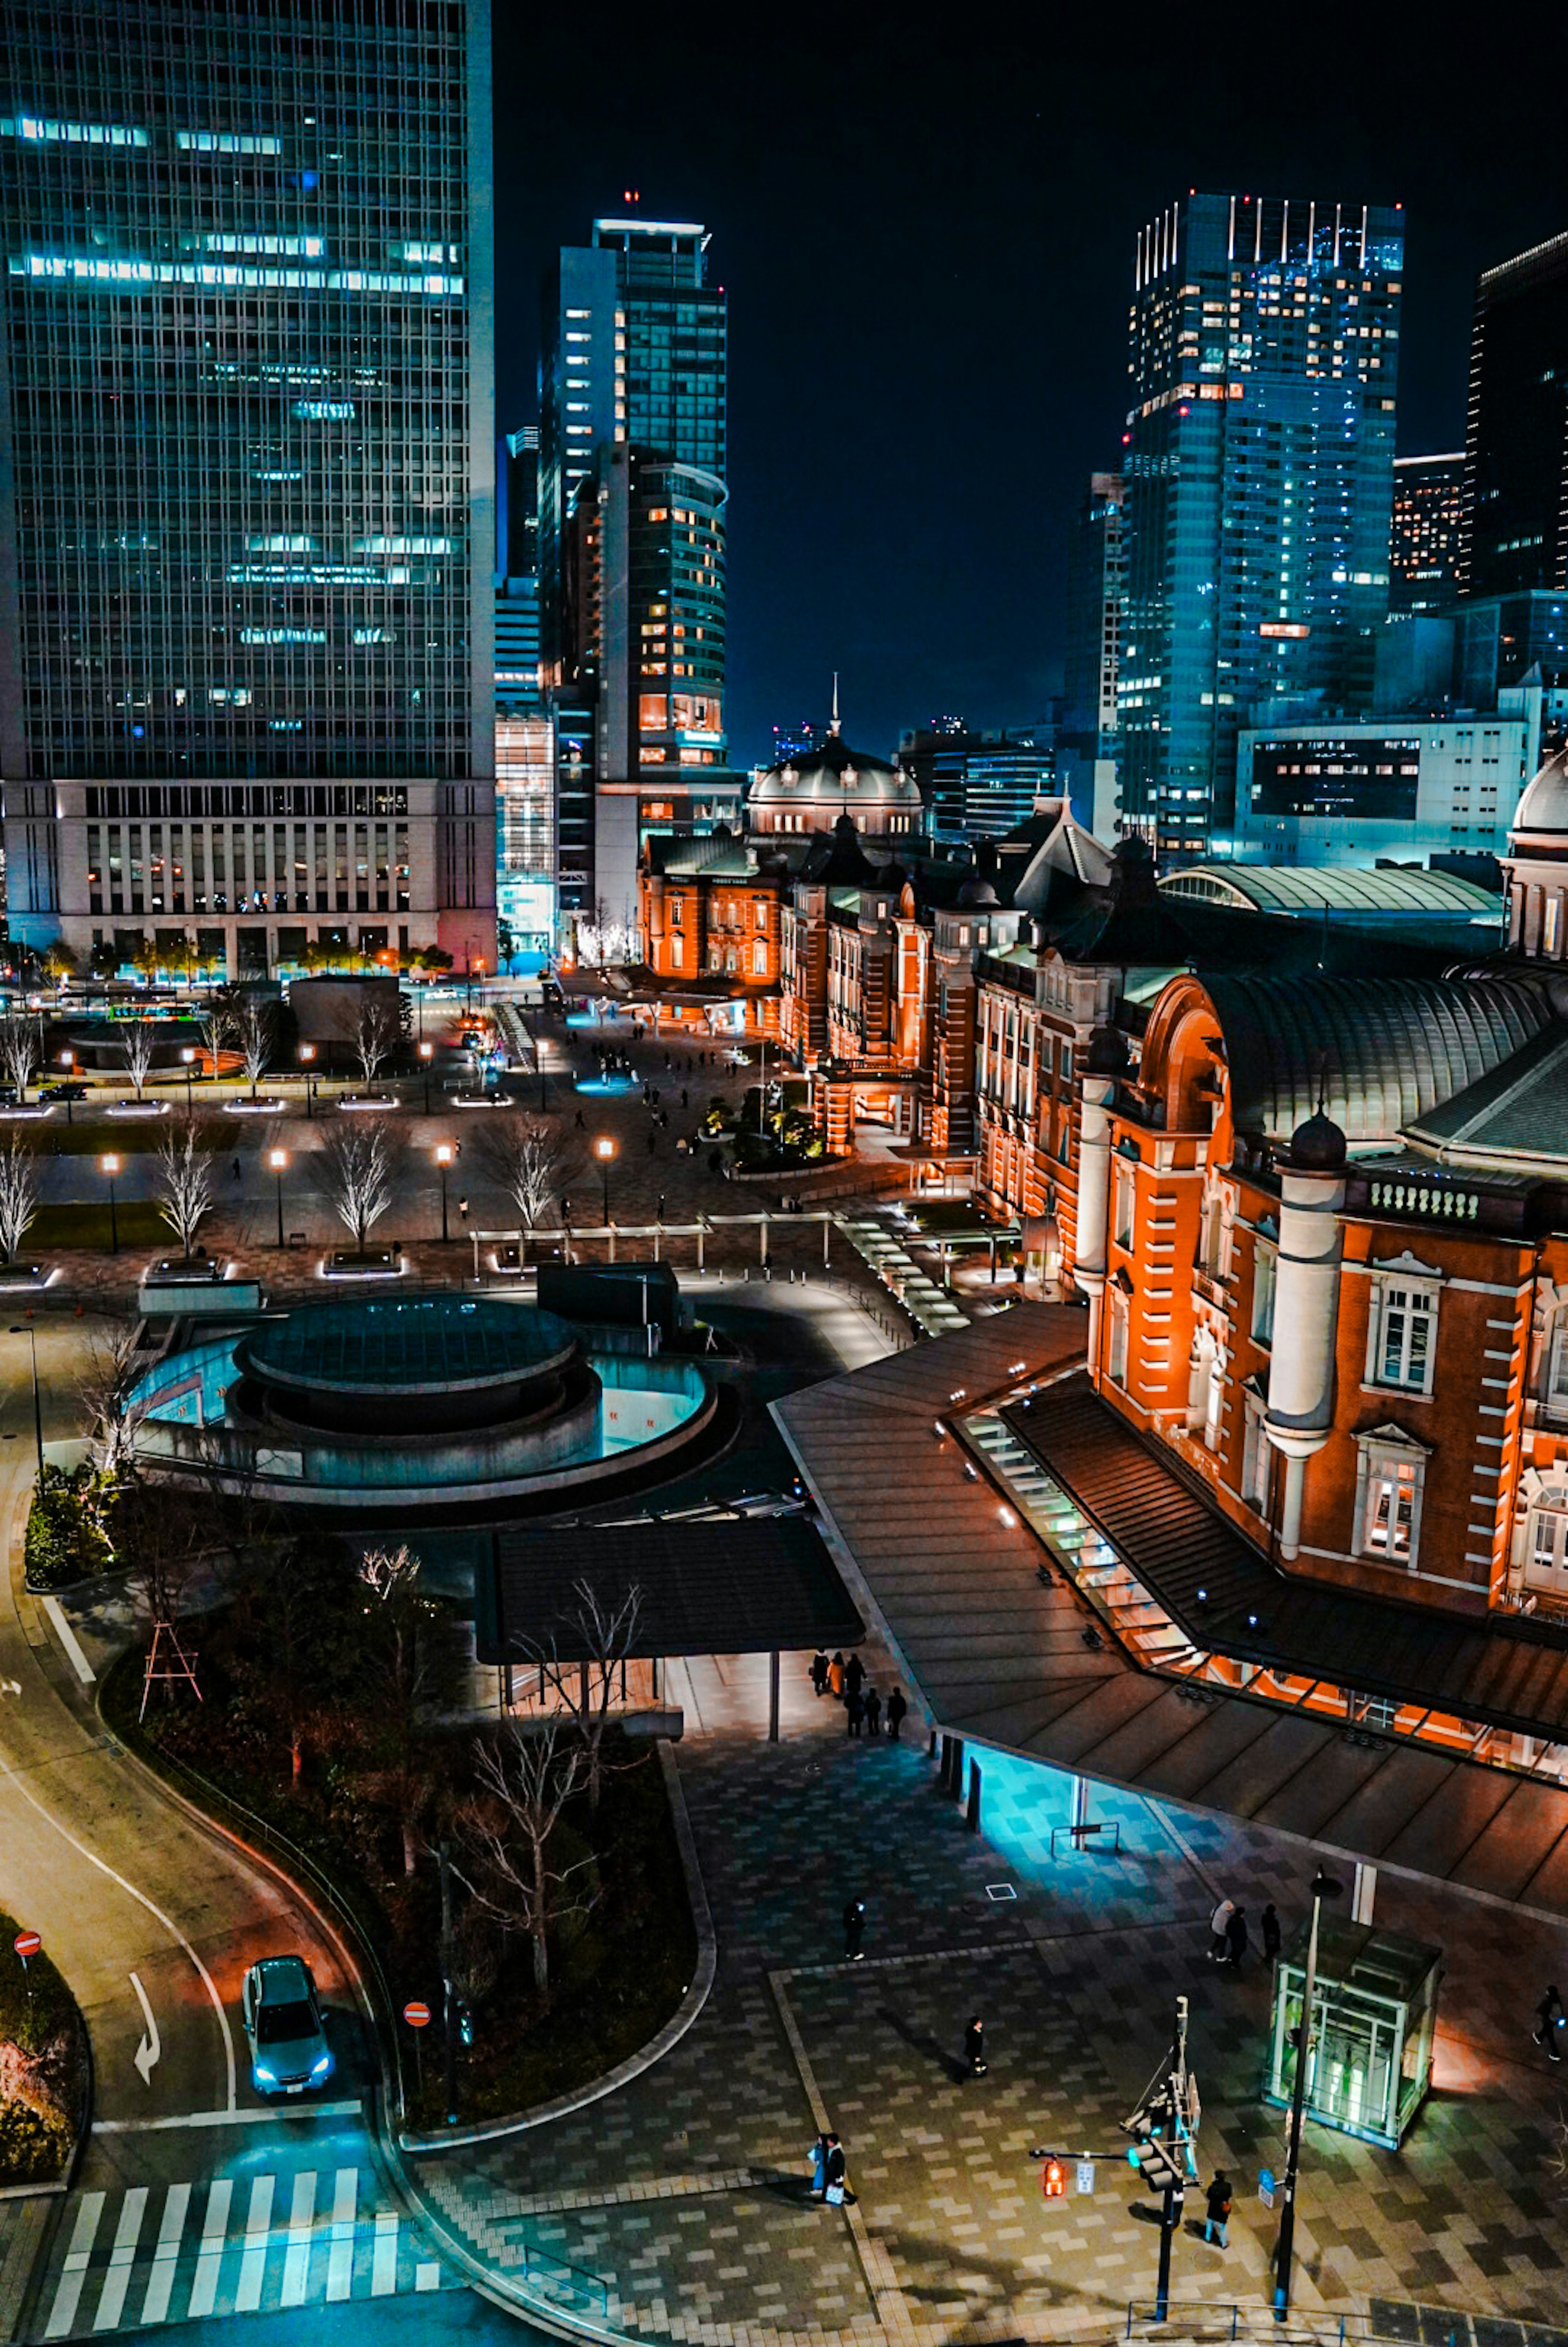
[63, 1092]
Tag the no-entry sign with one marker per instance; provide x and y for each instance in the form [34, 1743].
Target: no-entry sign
[27, 1943]
[417, 2015]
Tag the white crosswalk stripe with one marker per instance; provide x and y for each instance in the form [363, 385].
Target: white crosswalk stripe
[175, 2253]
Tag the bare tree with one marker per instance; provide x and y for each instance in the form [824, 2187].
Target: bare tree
[376, 1035]
[254, 1027]
[216, 1018]
[18, 1194]
[103, 1390]
[525, 1781]
[136, 1050]
[360, 1164]
[597, 1637]
[21, 1049]
[184, 1179]
[529, 1157]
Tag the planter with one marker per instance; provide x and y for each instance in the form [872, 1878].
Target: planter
[376, 1263]
[266, 1106]
[138, 1109]
[374, 1104]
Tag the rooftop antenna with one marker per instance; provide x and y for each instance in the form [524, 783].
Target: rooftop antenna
[833, 727]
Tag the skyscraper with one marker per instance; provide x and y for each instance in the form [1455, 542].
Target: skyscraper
[1258, 463]
[246, 543]
[1097, 597]
[1424, 535]
[525, 781]
[1515, 523]
[631, 496]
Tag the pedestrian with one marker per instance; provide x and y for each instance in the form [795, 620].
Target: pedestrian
[1549, 2020]
[974, 2060]
[856, 1710]
[1271, 1933]
[836, 1678]
[683, 1096]
[897, 1707]
[1218, 2209]
[237, 1169]
[819, 2167]
[819, 1672]
[854, 1930]
[653, 1143]
[1219, 1925]
[873, 1712]
[855, 1674]
[581, 1126]
[836, 2191]
[1236, 1937]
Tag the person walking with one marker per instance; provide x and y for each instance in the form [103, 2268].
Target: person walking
[897, 1710]
[836, 1678]
[819, 1672]
[1217, 2203]
[974, 2047]
[854, 1932]
[873, 1712]
[819, 2167]
[1236, 1937]
[855, 1674]
[837, 2189]
[1219, 1925]
[1272, 1936]
[856, 1710]
[1549, 2020]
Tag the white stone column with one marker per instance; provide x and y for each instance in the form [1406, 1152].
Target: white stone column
[1305, 1322]
[1099, 1092]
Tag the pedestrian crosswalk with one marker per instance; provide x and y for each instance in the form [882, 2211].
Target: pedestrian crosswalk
[229, 2245]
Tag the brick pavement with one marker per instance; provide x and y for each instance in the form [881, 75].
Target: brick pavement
[688, 2192]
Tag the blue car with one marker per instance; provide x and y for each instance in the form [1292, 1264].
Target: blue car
[289, 2049]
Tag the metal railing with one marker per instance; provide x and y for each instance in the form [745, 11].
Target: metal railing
[1242, 2318]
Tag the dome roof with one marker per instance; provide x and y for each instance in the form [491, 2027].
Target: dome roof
[1544, 806]
[835, 778]
[1108, 1054]
[977, 895]
[1317, 1146]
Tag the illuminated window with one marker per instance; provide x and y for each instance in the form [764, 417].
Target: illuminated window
[1390, 1482]
[1403, 1325]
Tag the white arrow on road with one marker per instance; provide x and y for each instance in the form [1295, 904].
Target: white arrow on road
[151, 2045]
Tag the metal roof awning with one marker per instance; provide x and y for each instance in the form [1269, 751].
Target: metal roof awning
[753, 1586]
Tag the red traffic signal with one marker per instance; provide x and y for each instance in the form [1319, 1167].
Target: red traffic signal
[1053, 2180]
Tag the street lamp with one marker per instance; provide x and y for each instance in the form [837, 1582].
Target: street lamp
[278, 1159]
[67, 1062]
[425, 1051]
[111, 1166]
[605, 1150]
[24, 1328]
[444, 1153]
[189, 1055]
[307, 1054]
[1323, 1887]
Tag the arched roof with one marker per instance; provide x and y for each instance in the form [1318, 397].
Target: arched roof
[1383, 1050]
[1297, 888]
[833, 778]
[1544, 808]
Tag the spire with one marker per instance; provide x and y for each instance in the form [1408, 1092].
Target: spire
[833, 727]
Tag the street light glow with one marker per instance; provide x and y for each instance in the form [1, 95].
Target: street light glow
[277, 1159]
[110, 1165]
[444, 1153]
[604, 1147]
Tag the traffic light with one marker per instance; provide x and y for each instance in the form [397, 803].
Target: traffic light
[1054, 2179]
[1159, 2164]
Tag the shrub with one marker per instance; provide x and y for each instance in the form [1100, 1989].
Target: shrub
[65, 1540]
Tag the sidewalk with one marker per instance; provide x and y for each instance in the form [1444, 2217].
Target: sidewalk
[686, 2193]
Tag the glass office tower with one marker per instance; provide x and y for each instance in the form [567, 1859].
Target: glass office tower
[1259, 465]
[1515, 525]
[1424, 540]
[247, 538]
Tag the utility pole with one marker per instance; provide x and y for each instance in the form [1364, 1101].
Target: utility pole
[1324, 1886]
[448, 2015]
[1164, 2126]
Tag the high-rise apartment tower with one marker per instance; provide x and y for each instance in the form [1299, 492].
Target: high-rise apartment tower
[1515, 525]
[1259, 465]
[1424, 536]
[247, 523]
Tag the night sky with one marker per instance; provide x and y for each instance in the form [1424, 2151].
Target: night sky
[925, 228]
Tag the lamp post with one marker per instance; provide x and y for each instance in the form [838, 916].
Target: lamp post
[68, 1061]
[425, 1050]
[111, 1166]
[444, 1153]
[189, 1056]
[307, 1055]
[23, 1328]
[1323, 1887]
[277, 1159]
[605, 1150]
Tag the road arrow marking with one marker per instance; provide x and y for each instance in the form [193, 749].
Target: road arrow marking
[151, 2045]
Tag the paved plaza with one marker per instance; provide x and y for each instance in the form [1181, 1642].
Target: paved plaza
[687, 2191]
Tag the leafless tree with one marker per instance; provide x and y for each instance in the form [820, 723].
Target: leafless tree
[585, 1662]
[18, 1194]
[184, 1177]
[254, 1027]
[103, 1391]
[360, 1160]
[216, 1018]
[21, 1049]
[525, 1779]
[376, 1035]
[529, 1157]
[136, 1050]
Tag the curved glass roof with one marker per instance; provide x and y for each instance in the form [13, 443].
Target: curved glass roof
[1386, 1049]
[402, 1343]
[1342, 888]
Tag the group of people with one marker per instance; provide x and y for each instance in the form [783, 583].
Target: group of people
[864, 1709]
[1228, 1933]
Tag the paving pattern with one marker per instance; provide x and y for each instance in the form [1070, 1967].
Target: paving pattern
[689, 2193]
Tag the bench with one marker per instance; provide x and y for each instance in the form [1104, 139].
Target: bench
[1079, 1835]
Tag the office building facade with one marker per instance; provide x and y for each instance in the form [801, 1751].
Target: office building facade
[1259, 465]
[1424, 538]
[525, 737]
[1514, 532]
[1096, 595]
[977, 784]
[246, 537]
